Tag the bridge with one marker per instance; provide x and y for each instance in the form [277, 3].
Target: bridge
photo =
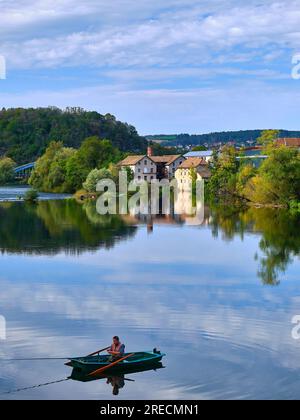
[256, 160]
[253, 157]
[24, 171]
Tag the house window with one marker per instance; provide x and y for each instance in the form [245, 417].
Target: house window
[139, 171]
[145, 178]
[139, 177]
[145, 162]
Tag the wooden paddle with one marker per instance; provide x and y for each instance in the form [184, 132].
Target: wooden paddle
[97, 352]
[98, 371]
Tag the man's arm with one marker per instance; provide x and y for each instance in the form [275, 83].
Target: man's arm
[117, 353]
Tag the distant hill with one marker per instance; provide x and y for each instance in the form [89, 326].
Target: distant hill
[25, 133]
[211, 139]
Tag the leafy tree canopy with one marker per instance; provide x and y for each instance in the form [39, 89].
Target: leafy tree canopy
[25, 134]
[63, 169]
[7, 166]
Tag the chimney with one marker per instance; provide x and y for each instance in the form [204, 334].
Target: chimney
[149, 151]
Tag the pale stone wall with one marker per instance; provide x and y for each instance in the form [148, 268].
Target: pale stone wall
[171, 169]
[145, 170]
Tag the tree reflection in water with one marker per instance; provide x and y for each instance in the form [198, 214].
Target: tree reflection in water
[279, 230]
[50, 227]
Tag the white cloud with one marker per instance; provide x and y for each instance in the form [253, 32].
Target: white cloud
[139, 56]
[182, 35]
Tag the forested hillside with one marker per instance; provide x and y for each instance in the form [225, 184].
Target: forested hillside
[25, 133]
[239, 137]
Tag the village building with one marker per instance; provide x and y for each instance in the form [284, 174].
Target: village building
[142, 167]
[184, 174]
[149, 167]
[289, 142]
[167, 165]
[207, 155]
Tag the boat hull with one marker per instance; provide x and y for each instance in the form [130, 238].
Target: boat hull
[138, 361]
[79, 375]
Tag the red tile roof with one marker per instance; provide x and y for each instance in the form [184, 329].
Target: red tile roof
[131, 160]
[166, 159]
[290, 142]
[192, 163]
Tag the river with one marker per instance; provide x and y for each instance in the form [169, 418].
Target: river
[218, 299]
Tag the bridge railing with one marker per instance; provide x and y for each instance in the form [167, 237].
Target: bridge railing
[24, 171]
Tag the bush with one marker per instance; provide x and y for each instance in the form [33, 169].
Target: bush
[94, 177]
[7, 166]
[295, 206]
[277, 180]
[31, 196]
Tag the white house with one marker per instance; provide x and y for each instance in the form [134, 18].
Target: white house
[143, 167]
[184, 172]
[149, 167]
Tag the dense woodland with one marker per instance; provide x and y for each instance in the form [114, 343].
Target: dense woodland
[239, 137]
[26, 133]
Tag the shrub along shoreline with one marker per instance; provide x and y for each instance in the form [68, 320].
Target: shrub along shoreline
[276, 183]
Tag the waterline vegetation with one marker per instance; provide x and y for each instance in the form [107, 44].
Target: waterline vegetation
[276, 182]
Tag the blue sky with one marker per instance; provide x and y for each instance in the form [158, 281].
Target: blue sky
[166, 67]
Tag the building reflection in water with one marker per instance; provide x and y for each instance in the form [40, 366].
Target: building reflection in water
[178, 213]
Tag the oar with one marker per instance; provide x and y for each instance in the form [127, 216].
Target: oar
[97, 352]
[96, 372]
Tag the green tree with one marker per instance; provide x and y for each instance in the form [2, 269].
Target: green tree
[25, 134]
[31, 196]
[193, 175]
[76, 172]
[93, 153]
[268, 138]
[50, 171]
[63, 169]
[94, 177]
[245, 174]
[7, 166]
[199, 149]
[277, 180]
[224, 169]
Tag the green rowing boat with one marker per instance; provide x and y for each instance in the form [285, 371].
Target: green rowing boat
[136, 360]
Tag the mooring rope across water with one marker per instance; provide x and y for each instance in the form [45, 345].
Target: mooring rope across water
[35, 386]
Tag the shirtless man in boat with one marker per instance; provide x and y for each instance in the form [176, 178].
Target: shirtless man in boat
[117, 349]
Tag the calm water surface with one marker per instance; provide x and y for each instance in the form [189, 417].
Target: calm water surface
[217, 298]
[16, 193]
